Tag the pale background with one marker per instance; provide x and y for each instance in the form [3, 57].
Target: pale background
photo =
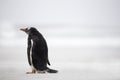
[83, 37]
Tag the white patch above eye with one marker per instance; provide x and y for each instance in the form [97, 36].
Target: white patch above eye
[28, 28]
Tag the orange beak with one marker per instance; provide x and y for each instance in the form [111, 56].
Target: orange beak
[22, 29]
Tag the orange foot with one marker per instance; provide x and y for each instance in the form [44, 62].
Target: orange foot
[42, 72]
[30, 72]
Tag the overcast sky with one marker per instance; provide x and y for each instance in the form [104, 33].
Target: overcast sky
[88, 12]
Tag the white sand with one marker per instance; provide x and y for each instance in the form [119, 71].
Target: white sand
[67, 71]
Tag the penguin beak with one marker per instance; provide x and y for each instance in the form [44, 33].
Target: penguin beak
[23, 29]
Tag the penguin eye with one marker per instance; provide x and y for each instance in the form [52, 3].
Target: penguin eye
[26, 29]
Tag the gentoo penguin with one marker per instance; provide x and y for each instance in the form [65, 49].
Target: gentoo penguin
[37, 52]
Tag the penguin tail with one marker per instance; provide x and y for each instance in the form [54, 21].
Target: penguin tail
[51, 70]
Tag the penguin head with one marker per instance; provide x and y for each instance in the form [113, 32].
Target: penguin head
[29, 30]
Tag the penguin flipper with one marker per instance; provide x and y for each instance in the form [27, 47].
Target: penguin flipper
[28, 49]
[48, 62]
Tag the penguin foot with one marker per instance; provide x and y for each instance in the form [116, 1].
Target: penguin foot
[30, 73]
[33, 72]
[42, 72]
